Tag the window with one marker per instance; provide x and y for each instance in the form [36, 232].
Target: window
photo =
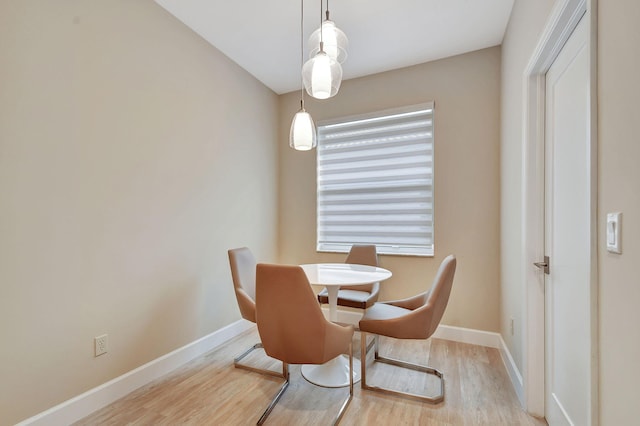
[375, 182]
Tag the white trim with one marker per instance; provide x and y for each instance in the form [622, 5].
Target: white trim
[446, 332]
[94, 399]
[560, 25]
[488, 339]
[512, 370]
[468, 335]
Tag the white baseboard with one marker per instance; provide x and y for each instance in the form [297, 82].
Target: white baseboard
[468, 335]
[512, 370]
[446, 332]
[489, 339]
[82, 405]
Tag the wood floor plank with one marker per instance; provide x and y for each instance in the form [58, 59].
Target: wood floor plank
[210, 391]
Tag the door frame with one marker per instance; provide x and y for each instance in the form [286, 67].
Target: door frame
[563, 19]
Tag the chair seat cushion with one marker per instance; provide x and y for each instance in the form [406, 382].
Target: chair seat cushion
[350, 298]
[382, 311]
[388, 320]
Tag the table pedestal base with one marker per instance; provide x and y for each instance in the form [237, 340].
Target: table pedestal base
[332, 374]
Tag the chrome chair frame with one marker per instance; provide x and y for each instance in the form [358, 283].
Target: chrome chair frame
[285, 385]
[240, 258]
[416, 317]
[293, 329]
[276, 398]
[237, 364]
[364, 350]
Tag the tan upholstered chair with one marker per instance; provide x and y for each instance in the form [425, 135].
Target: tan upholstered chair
[292, 327]
[362, 296]
[413, 318]
[243, 274]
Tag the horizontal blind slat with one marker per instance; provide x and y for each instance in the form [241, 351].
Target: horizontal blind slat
[375, 182]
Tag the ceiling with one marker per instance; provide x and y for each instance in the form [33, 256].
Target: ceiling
[263, 36]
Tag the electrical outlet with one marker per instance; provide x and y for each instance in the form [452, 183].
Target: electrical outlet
[100, 345]
[512, 326]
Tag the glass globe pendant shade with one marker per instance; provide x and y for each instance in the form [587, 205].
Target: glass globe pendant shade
[335, 41]
[302, 135]
[322, 76]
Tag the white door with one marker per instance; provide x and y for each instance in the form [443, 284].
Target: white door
[567, 236]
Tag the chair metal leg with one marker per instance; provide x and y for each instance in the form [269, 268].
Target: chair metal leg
[373, 342]
[237, 364]
[347, 401]
[398, 363]
[275, 400]
[285, 385]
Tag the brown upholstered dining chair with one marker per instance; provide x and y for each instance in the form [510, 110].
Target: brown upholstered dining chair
[243, 274]
[414, 318]
[362, 296]
[292, 327]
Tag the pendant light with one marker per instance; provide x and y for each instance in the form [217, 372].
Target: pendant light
[302, 135]
[321, 74]
[335, 40]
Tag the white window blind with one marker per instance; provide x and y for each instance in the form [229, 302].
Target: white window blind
[375, 182]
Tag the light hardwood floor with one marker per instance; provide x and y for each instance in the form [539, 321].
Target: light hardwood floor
[210, 391]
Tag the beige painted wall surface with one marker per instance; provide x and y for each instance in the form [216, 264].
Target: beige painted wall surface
[466, 91]
[527, 21]
[619, 191]
[132, 156]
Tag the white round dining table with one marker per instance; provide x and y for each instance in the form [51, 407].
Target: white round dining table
[335, 373]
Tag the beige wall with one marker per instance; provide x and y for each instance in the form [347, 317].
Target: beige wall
[466, 91]
[527, 21]
[619, 191]
[132, 156]
[120, 137]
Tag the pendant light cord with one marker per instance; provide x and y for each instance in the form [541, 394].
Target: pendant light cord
[321, 40]
[301, 53]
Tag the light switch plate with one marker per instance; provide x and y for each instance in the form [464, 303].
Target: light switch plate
[614, 223]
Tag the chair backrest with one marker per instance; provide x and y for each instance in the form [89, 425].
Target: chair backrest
[425, 310]
[243, 274]
[362, 255]
[291, 325]
[438, 295]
